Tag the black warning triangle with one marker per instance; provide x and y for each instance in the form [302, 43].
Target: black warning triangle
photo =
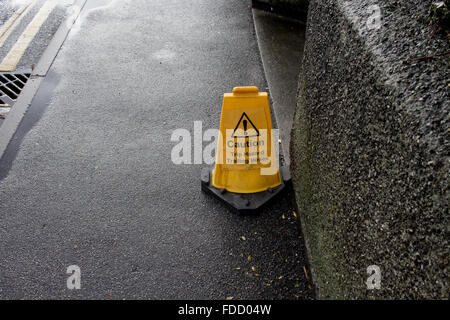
[246, 124]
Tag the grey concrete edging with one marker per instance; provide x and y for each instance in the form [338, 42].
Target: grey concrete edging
[280, 42]
[295, 9]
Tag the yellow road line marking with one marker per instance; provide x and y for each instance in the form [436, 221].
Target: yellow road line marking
[13, 57]
[14, 21]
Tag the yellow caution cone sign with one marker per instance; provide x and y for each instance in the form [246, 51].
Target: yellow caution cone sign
[246, 173]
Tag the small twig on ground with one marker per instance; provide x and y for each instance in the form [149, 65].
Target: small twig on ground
[426, 57]
[434, 32]
[306, 273]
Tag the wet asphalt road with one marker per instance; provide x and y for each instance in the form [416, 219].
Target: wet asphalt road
[93, 185]
[42, 38]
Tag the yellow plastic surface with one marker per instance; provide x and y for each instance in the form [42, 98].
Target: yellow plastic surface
[245, 144]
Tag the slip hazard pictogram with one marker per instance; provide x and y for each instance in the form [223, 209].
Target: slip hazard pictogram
[245, 128]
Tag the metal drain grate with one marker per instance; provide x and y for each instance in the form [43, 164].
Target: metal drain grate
[11, 84]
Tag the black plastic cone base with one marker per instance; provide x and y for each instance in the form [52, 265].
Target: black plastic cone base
[244, 203]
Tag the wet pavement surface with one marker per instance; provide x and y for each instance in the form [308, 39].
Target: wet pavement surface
[92, 182]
